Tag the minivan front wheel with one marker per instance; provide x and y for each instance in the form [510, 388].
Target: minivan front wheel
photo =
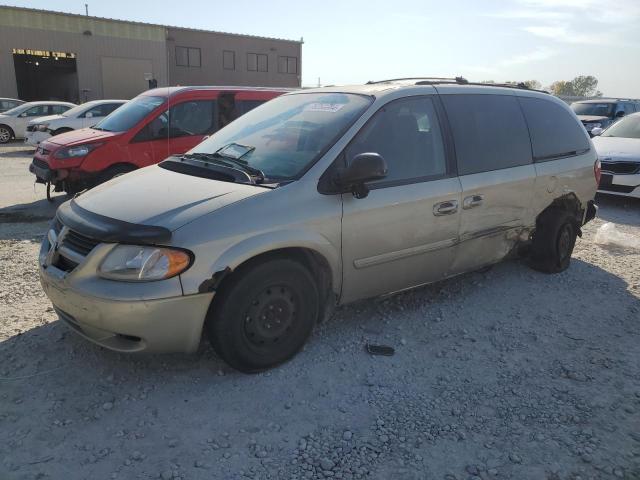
[553, 241]
[264, 314]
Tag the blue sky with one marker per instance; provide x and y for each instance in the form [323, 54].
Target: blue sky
[356, 41]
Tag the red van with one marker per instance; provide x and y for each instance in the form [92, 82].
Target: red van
[146, 130]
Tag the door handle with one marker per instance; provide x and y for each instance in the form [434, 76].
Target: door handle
[472, 201]
[445, 208]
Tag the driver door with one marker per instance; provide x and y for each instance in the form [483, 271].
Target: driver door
[404, 233]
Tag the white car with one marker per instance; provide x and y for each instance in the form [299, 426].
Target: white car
[13, 123]
[618, 148]
[82, 116]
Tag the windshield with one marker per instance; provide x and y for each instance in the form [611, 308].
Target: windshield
[627, 127]
[595, 109]
[129, 114]
[286, 135]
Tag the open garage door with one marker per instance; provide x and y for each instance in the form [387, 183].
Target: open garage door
[46, 75]
[125, 77]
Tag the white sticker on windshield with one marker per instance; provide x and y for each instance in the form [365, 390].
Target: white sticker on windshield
[324, 107]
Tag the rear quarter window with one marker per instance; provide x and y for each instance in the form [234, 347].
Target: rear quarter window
[489, 132]
[554, 131]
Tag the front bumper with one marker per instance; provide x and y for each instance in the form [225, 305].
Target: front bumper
[149, 317]
[624, 185]
[42, 172]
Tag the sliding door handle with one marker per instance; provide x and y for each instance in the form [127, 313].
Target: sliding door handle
[472, 201]
[445, 208]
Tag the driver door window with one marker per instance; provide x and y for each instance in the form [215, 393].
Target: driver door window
[406, 133]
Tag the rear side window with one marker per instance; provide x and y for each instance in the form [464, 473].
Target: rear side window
[489, 132]
[554, 132]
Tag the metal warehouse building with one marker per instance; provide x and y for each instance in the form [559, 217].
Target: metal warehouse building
[58, 56]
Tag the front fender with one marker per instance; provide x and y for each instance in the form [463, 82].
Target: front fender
[265, 242]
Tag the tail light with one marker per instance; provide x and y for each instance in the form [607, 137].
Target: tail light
[597, 171]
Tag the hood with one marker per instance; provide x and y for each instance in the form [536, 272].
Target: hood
[48, 118]
[156, 196]
[617, 147]
[82, 136]
[592, 118]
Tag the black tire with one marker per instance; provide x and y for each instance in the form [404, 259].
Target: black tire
[61, 130]
[114, 171]
[553, 241]
[263, 315]
[6, 134]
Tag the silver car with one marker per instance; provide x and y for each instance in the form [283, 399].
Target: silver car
[319, 198]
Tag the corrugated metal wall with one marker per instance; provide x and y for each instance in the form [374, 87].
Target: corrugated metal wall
[138, 45]
[58, 32]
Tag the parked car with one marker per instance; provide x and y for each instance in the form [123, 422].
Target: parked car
[144, 131]
[13, 123]
[82, 116]
[618, 148]
[317, 198]
[9, 103]
[601, 113]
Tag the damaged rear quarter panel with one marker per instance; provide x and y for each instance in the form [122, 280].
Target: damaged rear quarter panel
[561, 177]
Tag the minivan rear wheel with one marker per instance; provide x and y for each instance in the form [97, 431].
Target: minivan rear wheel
[553, 241]
[264, 314]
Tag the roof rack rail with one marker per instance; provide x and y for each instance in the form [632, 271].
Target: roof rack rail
[455, 81]
[422, 79]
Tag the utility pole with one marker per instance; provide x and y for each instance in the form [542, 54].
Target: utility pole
[86, 9]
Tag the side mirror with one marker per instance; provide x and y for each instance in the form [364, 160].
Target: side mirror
[365, 167]
[620, 114]
[88, 115]
[23, 114]
[596, 131]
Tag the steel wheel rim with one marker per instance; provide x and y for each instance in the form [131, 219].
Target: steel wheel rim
[271, 316]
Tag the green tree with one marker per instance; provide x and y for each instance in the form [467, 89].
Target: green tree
[582, 86]
[533, 84]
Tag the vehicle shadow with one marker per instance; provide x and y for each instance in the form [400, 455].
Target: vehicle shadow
[35, 211]
[17, 153]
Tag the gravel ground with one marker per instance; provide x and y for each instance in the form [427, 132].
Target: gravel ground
[505, 374]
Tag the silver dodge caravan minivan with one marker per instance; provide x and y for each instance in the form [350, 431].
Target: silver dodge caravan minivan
[318, 198]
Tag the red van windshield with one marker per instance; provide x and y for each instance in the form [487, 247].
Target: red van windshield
[129, 114]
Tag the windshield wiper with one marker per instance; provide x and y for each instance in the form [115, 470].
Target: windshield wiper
[257, 174]
[100, 128]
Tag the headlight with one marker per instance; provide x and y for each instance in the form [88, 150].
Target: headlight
[41, 127]
[137, 263]
[75, 152]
